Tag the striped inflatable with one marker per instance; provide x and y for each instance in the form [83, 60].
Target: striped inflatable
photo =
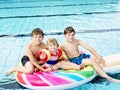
[60, 79]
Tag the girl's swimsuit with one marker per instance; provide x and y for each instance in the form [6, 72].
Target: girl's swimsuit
[54, 58]
[78, 60]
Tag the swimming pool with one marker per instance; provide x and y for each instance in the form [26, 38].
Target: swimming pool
[97, 23]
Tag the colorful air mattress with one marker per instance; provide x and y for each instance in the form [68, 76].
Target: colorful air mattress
[55, 80]
[112, 63]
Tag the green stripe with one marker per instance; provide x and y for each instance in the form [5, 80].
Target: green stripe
[87, 72]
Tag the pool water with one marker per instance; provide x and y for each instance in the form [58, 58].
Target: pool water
[96, 22]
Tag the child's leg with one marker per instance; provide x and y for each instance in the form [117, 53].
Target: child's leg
[99, 69]
[102, 62]
[67, 65]
[28, 68]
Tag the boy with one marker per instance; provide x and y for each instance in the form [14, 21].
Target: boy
[30, 60]
[70, 47]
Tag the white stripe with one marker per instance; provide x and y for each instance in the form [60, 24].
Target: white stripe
[53, 57]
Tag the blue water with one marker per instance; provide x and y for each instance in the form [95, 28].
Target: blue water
[96, 22]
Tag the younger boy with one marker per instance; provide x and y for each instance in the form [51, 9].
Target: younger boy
[30, 59]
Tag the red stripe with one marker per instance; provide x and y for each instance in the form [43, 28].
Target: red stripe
[20, 78]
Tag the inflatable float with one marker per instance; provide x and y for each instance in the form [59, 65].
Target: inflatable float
[55, 80]
[65, 79]
[112, 63]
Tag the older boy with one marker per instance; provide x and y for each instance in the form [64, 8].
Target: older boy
[70, 47]
[30, 58]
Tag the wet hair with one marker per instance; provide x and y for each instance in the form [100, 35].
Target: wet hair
[37, 31]
[69, 30]
[51, 41]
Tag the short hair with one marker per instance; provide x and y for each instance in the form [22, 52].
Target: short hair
[53, 41]
[37, 31]
[69, 30]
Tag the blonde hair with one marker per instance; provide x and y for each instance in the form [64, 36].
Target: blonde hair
[51, 41]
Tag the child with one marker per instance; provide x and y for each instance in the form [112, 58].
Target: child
[55, 54]
[30, 58]
[70, 47]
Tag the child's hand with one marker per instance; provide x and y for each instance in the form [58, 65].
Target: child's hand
[46, 69]
[36, 70]
[101, 61]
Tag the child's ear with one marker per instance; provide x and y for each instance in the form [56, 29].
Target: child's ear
[43, 37]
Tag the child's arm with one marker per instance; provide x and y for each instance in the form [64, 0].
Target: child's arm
[99, 58]
[32, 58]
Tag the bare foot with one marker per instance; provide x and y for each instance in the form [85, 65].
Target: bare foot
[82, 66]
[113, 80]
[11, 70]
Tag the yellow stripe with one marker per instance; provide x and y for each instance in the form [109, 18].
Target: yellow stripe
[111, 64]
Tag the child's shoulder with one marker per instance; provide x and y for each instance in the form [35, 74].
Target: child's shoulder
[62, 44]
[28, 46]
[77, 40]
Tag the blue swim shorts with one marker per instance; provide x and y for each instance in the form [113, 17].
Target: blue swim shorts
[78, 60]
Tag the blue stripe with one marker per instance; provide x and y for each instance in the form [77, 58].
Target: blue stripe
[71, 76]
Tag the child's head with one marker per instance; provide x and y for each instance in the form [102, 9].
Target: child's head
[37, 31]
[69, 30]
[69, 34]
[51, 43]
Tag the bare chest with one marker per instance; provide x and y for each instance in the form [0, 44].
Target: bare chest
[35, 51]
[70, 46]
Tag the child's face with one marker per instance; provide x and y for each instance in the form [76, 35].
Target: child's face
[52, 47]
[37, 38]
[70, 36]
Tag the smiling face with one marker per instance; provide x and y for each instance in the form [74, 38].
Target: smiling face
[52, 45]
[37, 39]
[70, 36]
[37, 36]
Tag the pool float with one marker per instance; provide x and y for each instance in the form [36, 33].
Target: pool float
[65, 79]
[55, 80]
[112, 63]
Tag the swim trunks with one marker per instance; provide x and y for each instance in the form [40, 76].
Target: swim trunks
[78, 60]
[25, 59]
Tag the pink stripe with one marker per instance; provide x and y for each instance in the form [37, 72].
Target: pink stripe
[53, 79]
[35, 80]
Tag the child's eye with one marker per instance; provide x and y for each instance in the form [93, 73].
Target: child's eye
[35, 36]
[50, 45]
[40, 36]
